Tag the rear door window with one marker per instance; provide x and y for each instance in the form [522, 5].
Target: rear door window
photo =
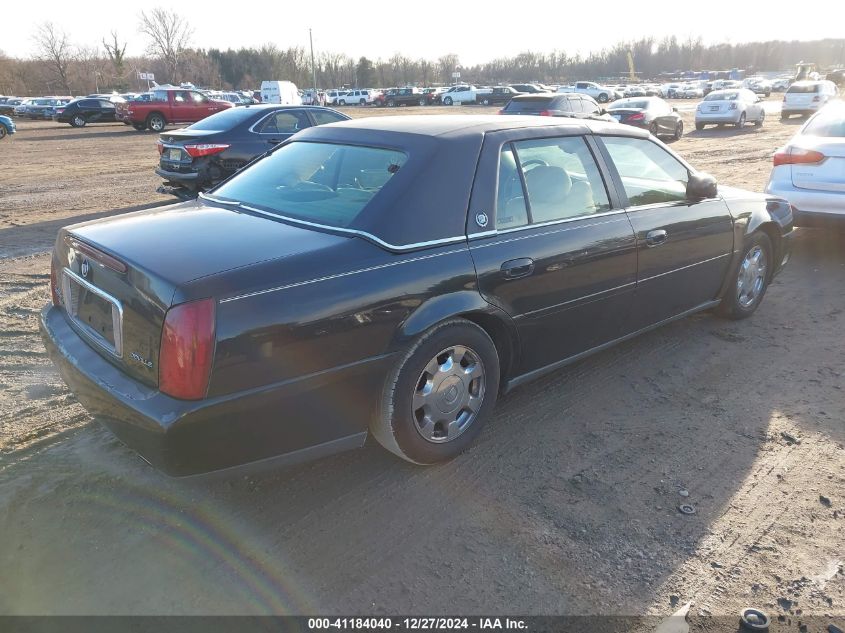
[324, 116]
[285, 122]
[555, 179]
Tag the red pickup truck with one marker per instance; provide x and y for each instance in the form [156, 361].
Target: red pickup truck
[161, 107]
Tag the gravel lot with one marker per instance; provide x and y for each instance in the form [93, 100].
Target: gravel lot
[568, 504]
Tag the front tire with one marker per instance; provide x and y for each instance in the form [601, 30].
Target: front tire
[759, 122]
[679, 131]
[447, 101]
[342, 102]
[741, 123]
[3, 132]
[439, 394]
[391, 103]
[603, 98]
[750, 278]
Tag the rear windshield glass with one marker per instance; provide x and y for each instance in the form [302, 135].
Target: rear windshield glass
[804, 89]
[636, 105]
[324, 183]
[531, 104]
[722, 96]
[224, 120]
[829, 123]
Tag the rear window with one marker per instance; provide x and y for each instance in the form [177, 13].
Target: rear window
[324, 183]
[530, 104]
[827, 123]
[637, 105]
[224, 120]
[804, 89]
[722, 96]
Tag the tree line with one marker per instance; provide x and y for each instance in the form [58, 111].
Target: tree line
[64, 67]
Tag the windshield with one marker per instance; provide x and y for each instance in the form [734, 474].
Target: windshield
[804, 88]
[722, 96]
[323, 183]
[827, 123]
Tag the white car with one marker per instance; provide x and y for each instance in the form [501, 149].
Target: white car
[806, 97]
[691, 91]
[735, 107]
[810, 170]
[600, 93]
[333, 97]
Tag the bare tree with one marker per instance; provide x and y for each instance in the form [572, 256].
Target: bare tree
[169, 33]
[56, 51]
[117, 55]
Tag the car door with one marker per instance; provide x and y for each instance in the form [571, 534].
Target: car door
[550, 245]
[181, 106]
[281, 125]
[684, 246]
[107, 111]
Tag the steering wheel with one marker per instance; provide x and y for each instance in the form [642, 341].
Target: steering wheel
[310, 185]
[536, 162]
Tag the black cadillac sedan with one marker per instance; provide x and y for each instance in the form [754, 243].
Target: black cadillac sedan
[392, 276]
[194, 158]
[650, 113]
[81, 112]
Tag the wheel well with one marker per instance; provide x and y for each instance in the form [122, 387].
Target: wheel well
[151, 114]
[773, 232]
[502, 339]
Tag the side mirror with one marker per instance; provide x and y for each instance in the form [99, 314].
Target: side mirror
[701, 186]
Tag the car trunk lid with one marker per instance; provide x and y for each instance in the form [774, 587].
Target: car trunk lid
[117, 277]
[826, 175]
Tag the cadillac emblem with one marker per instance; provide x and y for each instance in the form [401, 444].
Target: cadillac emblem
[85, 268]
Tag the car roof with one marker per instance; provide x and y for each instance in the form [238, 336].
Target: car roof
[462, 125]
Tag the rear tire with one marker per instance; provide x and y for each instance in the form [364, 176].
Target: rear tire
[749, 278]
[3, 132]
[439, 394]
[156, 122]
[679, 131]
[78, 121]
[783, 117]
[741, 123]
[422, 102]
[759, 122]
[652, 129]
[447, 101]
[603, 98]
[342, 102]
[391, 103]
[699, 126]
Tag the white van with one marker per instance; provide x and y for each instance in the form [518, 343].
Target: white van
[281, 92]
[806, 97]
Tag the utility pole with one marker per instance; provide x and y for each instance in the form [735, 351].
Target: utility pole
[313, 66]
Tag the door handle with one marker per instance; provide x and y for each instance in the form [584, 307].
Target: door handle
[274, 141]
[656, 238]
[516, 268]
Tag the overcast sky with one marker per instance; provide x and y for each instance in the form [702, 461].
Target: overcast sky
[475, 31]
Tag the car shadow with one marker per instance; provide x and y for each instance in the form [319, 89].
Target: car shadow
[27, 239]
[726, 131]
[568, 500]
[91, 132]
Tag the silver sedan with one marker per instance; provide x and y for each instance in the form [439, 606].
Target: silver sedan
[735, 107]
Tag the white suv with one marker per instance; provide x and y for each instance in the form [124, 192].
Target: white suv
[806, 97]
[362, 96]
[600, 93]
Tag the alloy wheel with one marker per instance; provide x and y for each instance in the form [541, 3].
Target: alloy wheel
[752, 277]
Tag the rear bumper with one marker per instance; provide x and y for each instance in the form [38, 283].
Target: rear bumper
[811, 208]
[281, 423]
[718, 117]
[178, 176]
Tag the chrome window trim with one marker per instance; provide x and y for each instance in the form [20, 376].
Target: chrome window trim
[117, 320]
[357, 232]
[526, 227]
[339, 275]
[669, 272]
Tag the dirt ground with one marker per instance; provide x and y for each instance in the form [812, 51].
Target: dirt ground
[568, 503]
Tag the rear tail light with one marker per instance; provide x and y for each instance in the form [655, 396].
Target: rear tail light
[797, 156]
[160, 147]
[205, 149]
[733, 106]
[639, 116]
[187, 350]
[54, 283]
[545, 113]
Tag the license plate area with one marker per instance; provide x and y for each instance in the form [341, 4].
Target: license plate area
[714, 108]
[174, 154]
[97, 314]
